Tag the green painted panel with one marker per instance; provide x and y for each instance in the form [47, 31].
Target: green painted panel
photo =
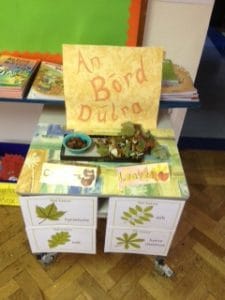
[44, 25]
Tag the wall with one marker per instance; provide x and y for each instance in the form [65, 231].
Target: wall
[179, 27]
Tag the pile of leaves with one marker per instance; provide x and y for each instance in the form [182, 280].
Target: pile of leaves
[132, 143]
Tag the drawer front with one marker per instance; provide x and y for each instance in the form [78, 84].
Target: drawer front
[139, 241]
[62, 239]
[144, 213]
[59, 210]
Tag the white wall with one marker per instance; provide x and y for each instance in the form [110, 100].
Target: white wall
[179, 27]
[18, 121]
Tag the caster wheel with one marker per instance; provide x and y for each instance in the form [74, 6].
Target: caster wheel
[46, 258]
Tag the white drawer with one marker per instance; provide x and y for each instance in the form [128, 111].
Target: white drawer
[144, 213]
[139, 241]
[59, 210]
[62, 239]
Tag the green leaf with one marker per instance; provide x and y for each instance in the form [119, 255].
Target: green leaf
[143, 218]
[50, 212]
[160, 152]
[134, 245]
[138, 221]
[129, 240]
[126, 236]
[140, 146]
[132, 236]
[138, 208]
[148, 215]
[128, 129]
[60, 238]
[132, 223]
[132, 211]
[137, 241]
[148, 208]
[126, 214]
[103, 150]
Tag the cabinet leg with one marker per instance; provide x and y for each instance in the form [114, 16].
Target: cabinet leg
[162, 268]
[46, 258]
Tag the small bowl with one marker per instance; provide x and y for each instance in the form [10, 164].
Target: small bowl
[83, 137]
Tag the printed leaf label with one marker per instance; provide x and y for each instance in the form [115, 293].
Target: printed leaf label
[137, 215]
[139, 241]
[144, 213]
[59, 210]
[69, 239]
[49, 212]
[129, 241]
[143, 174]
[60, 238]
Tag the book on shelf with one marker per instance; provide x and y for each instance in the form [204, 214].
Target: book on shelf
[184, 90]
[16, 75]
[48, 82]
[169, 77]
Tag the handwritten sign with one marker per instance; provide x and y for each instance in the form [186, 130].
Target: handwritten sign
[143, 174]
[105, 86]
[8, 194]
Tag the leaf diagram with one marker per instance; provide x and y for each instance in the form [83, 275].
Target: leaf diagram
[60, 238]
[129, 241]
[50, 212]
[138, 215]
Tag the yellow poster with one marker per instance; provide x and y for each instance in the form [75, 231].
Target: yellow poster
[105, 86]
[8, 195]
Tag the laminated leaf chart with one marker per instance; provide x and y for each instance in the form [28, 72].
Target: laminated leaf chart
[105, 86]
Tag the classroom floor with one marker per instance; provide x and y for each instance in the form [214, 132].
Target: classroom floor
[207, 123]
[197, 255]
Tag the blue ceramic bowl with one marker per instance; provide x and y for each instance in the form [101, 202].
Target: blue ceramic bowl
[81, 136]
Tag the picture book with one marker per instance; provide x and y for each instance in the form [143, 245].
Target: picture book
[169, 76]
[184, 90]
[185, 83]
[48, 82]
[16, 74]
[105, 86]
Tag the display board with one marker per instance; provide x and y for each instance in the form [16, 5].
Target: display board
[39, 28]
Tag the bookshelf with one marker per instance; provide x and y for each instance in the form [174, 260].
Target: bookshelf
[163, 104]
[172, 36]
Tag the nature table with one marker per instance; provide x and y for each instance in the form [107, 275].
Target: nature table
[141, 218]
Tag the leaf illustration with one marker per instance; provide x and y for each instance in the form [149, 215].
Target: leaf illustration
[148, 208]
[138, 208]
[132, 211]
[50, 212]
[138, 221]
[137, 215]
[60, 238]
[129, 241]
[126, 214]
